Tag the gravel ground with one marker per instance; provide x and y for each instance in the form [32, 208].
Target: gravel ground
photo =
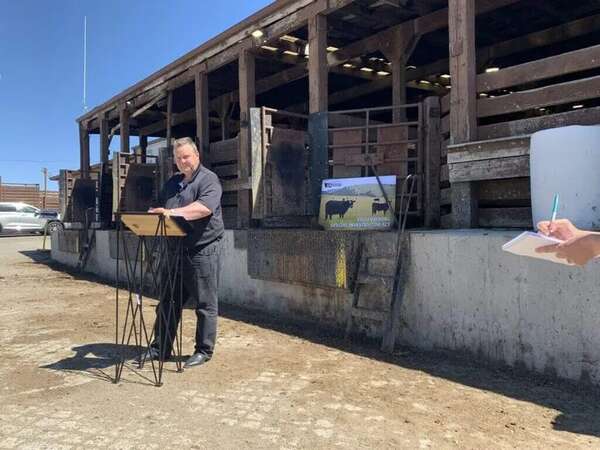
[271, 384]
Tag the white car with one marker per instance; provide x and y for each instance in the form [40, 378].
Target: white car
[24, 218]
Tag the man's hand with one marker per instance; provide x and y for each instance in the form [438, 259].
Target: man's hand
[561, 229]
[578, 250]
[162, 211]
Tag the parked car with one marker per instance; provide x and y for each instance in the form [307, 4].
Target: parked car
[23, 218]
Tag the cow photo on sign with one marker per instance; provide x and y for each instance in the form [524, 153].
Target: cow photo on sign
[357, 203]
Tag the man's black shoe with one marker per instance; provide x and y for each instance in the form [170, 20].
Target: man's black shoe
[196, 359]
[149, 355]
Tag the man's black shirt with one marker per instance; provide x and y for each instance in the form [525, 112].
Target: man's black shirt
[203, 187]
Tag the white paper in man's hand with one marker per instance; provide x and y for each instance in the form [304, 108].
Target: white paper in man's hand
[526, 244]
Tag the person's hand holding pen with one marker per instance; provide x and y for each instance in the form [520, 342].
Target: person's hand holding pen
[578, 246]
[561, 229]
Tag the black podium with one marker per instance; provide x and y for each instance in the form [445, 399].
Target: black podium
[154, 264]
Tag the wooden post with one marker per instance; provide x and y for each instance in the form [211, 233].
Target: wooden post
[165, 154]
[399, 84]
[317, 64]
[224, 116]
[169, 131]
[432, 158]
[104, 143]
[202, 109]
[463, 102]
[84, 151]
[247, 91]
[124, 129]
[143, 147]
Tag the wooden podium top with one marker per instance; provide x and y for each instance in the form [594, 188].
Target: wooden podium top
[148, 224]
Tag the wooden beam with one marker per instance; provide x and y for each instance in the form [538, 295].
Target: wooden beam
[317, 64]
[546, 37]
[104, 141]
[279, 18]
[463, 113]
[432, 161]
[84, 152]
[202, 110]
[541, 69]
[488, 169]
[124, 129]
[572, 91]
[463, 106]
[491, 149]
[143, 147]
[169, 119]
[506, 217]
[587, 116]
[246, 74]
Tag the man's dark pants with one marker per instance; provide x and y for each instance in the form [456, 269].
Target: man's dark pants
[201, 270]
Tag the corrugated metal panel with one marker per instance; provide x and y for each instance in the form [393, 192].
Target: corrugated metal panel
[311, 257]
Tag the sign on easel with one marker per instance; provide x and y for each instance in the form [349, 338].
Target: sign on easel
[357, 203]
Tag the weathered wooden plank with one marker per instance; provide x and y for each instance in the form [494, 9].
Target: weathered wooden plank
[463, 102]
[463, 106]
[247, 84]
[124, 129]
[224, 151]
[235, 185]
[571, 91]
[444, 173]
[505, 217]
[226, 170]
[510, 190]
[489, 169]
[317, 64]
[84, 151]
[431, 112]
[541, 69]
[202, 110]
[104, 142]
[480, 150]
[445, 197]
[169, 119]
[226, 43]
[587, 116]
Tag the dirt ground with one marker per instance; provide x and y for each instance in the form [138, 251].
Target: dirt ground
[271, 384]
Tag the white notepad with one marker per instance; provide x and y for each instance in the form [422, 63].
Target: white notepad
[526, 243]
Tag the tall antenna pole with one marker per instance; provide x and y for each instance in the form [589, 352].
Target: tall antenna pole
[84, 62]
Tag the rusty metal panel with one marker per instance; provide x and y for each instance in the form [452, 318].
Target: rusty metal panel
[287, 160]
[308, 257]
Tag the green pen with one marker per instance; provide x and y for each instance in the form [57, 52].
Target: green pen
[554, 209]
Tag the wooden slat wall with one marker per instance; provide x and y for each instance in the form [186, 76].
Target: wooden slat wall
[522, 100]
[223, 161]
[30, 194]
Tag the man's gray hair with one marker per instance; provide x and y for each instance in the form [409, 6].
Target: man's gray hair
[185, 141]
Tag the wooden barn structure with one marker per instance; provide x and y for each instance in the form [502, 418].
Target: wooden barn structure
[449, 90]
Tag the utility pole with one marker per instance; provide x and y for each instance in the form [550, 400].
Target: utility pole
[45, 172]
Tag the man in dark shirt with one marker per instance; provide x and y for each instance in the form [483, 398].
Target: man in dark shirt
[194, 193]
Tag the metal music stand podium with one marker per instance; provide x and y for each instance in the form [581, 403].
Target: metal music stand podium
[158, 256]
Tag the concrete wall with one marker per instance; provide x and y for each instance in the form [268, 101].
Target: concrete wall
[324, 305]
[464, 294]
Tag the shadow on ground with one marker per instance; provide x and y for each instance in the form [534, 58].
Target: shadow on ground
[579, 405]
[99, 361]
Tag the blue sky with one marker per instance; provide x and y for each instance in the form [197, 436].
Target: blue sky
[41, 66]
